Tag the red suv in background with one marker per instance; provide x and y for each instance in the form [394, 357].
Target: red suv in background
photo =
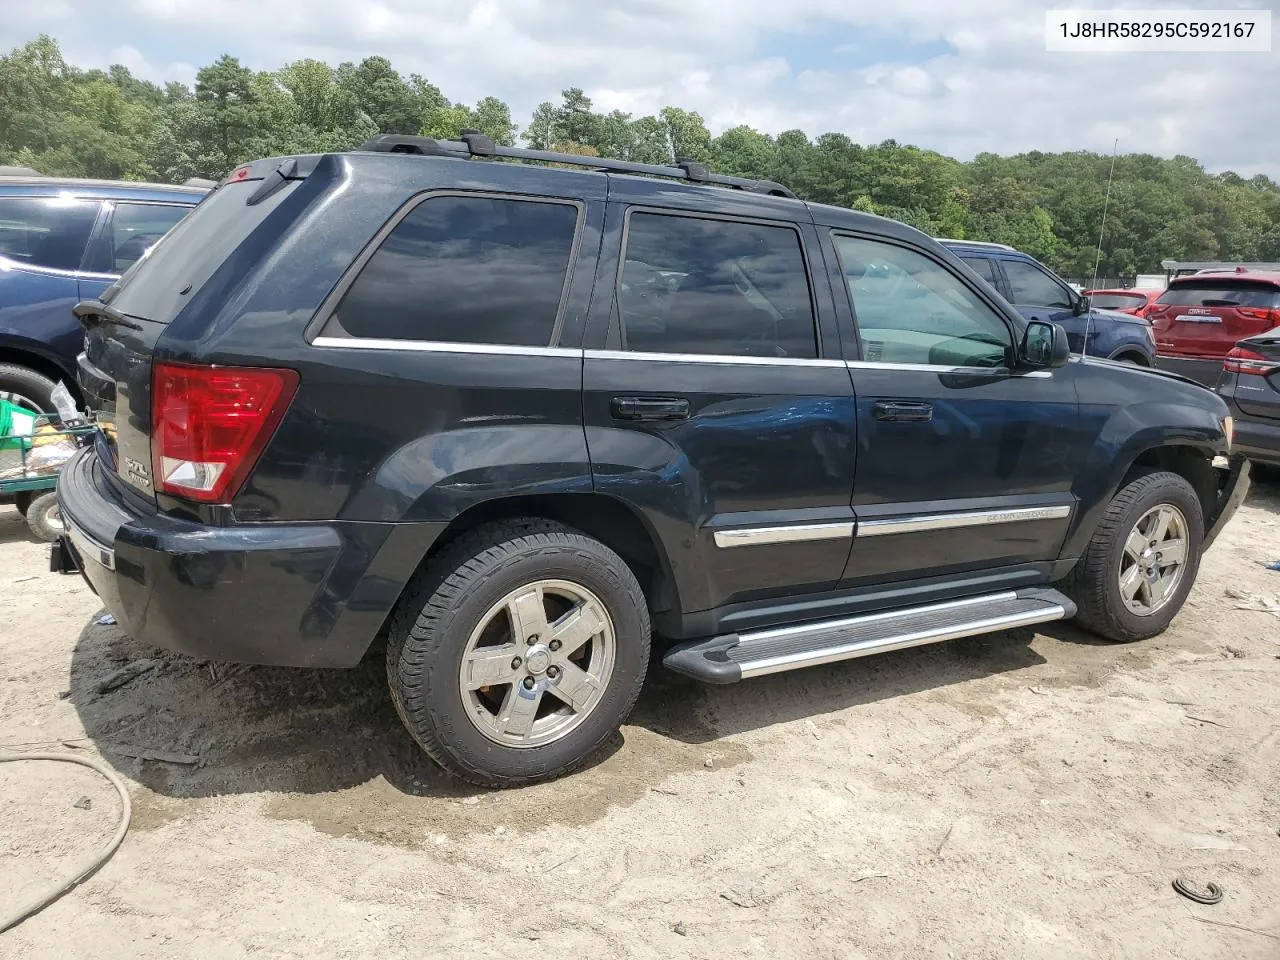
[1132, 301]
[1201, 317]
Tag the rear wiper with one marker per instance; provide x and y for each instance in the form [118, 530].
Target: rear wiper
[95, 313]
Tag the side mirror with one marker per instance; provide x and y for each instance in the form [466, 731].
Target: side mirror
[1081, 306]
[1044, 346]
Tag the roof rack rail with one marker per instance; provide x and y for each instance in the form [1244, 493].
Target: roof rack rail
[977, 243]
[476, 144]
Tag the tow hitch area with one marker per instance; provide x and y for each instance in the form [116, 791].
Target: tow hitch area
[61, 557]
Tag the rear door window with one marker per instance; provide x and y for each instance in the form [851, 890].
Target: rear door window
[466, 269]
[1031, 286]
[137, 227]
[1221, 293]
[983, 267]
[46, 231]
[714, 287]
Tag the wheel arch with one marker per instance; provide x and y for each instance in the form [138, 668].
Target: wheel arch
[24, 354]
[600, 516]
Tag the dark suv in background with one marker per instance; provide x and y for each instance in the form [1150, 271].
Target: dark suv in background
[1040, 294]
[62, 241]
[519, 420]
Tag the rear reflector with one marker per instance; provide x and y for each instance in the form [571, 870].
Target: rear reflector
[1243, 360]
[209, 425]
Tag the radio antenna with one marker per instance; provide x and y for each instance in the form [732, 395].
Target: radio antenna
[1088, 322]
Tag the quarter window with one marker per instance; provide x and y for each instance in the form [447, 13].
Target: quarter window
[466, 270]
[46, 231]
[700, 286]
[910, 309]
[1033, 287]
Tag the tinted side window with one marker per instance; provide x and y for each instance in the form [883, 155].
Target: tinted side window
[466, 270]
[714, 287]
[982, 266]
[910, 309]
[1032, 286]
[137, 227]
[46, 231]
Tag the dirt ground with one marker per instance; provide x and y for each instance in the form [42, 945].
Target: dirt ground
[1022, 795]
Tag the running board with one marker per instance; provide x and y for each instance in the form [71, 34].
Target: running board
[728, 659]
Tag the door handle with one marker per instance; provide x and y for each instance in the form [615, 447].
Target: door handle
[903, 411]
[649, 408]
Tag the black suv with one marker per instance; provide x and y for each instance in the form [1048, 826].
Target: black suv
[517, 419]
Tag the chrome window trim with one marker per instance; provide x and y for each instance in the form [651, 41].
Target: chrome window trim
[797, 533]
[931, 368]
[712, 358]
[952, 521]
[440, 346]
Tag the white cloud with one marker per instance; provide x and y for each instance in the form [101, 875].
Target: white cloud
[848, 65]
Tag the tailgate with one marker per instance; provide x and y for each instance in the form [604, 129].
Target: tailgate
[122, 328]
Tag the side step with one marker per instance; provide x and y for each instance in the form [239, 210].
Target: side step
[735, 657]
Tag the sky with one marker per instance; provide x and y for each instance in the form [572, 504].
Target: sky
[957, 76]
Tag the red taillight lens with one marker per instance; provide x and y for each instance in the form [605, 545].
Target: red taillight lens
[1267, 315]
[1243, 360]
[209, 424]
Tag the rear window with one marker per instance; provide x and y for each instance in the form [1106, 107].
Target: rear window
[1116, 301]
[1221, 293]
[159, 284]
[46, 231]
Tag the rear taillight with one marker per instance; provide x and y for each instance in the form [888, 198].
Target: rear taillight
[1268, 315]
[209, 424]
[1243, 360]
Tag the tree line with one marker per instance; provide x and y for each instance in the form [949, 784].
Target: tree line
[63, 120]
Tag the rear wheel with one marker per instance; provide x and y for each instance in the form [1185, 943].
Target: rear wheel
[26, 388]
[519, 651]
[45, 518]
[1142, 562]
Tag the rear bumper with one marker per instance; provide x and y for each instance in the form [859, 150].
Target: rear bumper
[297, 594]
[1230, 495]
[1255, 438]
[1203, 371]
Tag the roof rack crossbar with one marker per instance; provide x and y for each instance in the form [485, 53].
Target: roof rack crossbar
[475, 144]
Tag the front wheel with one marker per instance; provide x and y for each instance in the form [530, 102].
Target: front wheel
[1143, 559]
[518, 652]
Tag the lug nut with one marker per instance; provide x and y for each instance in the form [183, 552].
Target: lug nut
[515, 663]
[553, 671]
[555, 644]
[532, 640]
[528, 683]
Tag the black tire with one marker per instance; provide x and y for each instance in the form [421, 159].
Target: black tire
[1094, 583]
[22, 500]
[447, 601]
[44, 518]
[24, 386]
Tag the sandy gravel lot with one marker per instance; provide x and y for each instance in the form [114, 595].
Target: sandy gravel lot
[1023, 795]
